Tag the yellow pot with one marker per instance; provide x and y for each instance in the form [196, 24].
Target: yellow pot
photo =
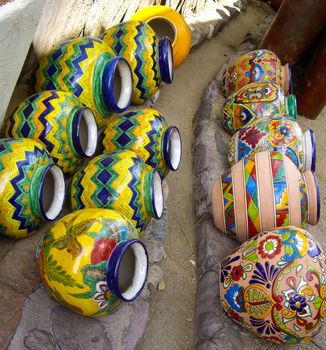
[168, 22]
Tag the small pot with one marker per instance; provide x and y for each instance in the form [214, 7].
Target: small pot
[91, 260]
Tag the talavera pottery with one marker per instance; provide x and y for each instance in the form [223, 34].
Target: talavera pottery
[32, 187]
[60, 122]
[150, 58]
[91, 260]
[255, 101]
[120, 181]
[274, 285]
[278, 133]
[253, 67]
[263, 192]
[146, 133]
[168, 22]
[90, 70]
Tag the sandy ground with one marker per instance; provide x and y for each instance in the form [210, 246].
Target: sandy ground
[171, 312]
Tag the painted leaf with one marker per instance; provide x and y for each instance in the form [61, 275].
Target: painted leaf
[258, 302]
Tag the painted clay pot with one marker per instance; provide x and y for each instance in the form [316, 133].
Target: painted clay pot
[274, 285]
[59, 121]
[256, 66]
[168, 22]
[263, 192]
[146, 133]
[279, 133]
[90, 70]
[120, 181]
[150, 58]
[32, 187]
[255, 101]
[91, 260]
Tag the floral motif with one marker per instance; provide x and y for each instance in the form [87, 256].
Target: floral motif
[102, 249]
[263, 275]
[296, 244]
[270, 247]
[263, 325]
[281, 133]
[225, 270]
[102, 295]
[313, 250]
[234, 296]
[236, 273]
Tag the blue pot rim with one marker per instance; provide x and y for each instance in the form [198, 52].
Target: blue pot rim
[318, 195]
[167, 147]
[76, 131]
[113, 265]
[167, 72]
[314, 150]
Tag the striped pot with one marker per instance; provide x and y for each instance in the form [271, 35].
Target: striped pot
[263, 192]
[279, 133]
[90, 70]
[59, 121]
[255, 101]
[150, 58]
[120, 181]
[32, 187]
[146, 133]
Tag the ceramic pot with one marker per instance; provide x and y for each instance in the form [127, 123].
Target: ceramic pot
[150, 58]
[279, 133]
[90, 70]
[146, 133]
[91, 260]
[32, 187]
[59, 121]
[263, 192]
[120, 181]
[274, 285]
[255, 101]
[256, 66]
[168, 22]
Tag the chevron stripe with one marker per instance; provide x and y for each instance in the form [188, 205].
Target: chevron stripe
[155, 64]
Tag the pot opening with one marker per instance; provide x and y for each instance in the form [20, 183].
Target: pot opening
[162, 27]
[309, 150]
[173, 148]
[166, 60]
[122, 84]
[157, 191]
[87, 133]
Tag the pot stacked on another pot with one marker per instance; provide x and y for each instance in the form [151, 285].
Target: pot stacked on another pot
[274, 284]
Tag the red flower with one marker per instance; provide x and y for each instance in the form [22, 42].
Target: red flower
[102, 249]
[270, 247]
[235, 315]
[236, 273]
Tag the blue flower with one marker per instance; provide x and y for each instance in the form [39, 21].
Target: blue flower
[313, 250]
[234, 296]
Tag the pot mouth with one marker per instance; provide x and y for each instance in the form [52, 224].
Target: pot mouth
[162, 27]
[309, 150]
[127, 270]
[117, 84]
[291, 106]
[157, 195]
[166, 60]
[85, 132]
[313, 193]
[172, 148]
[51, 192]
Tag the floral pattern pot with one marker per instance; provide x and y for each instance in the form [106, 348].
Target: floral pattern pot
[150, 58]
[256, 66]
[90, 70]
[59, 121]
[263, 192]
[146, 133]
[120, 181]
[278, 133]
[32, 187]
[274, 285]
[91, 260]
[255, 101]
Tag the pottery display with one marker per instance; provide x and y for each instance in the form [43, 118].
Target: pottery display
[32, 187]
[150, 58]
[168, 22]
[263, 192]
[89, 69]
[278, 133]
[59, 121]
[274, 285]
[91, 260]
[120, 181]
[256, 66]
[255, 101]
[146, 133]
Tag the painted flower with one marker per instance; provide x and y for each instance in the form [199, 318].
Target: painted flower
[102, 295]
[295, 243]
[313, 250]
[236, 273]
[102, 249]
[234, 296]
[270, 247]
[285, 130]
[297, 303]
[264, 274]
[263, 325]
[225, 270]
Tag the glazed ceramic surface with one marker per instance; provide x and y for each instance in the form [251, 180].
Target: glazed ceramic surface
[255, 66]
[120, 181]
[150, 59]
[255, 101]
[60, 122]
[77, 254]
[274, 285]
[89, 69]
[25, 199]
[278, 133]
[146, 133]
[263, 192]
[166, 21]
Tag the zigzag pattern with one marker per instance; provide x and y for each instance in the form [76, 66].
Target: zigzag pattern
[228, 201]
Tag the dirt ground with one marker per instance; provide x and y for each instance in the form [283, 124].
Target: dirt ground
[171, 311]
